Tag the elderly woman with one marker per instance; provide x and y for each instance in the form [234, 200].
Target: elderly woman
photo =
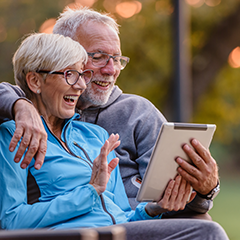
[79, 183]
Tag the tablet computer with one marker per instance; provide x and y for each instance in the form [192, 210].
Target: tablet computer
[162, 166]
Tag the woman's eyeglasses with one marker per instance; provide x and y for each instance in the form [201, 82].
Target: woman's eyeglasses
[72, 76]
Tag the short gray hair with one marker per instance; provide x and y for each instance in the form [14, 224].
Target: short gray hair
[41, 51]
[69, 21]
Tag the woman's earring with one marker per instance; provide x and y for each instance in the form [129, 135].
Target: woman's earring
[38, 91]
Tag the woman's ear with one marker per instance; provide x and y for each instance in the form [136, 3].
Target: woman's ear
[34, 82]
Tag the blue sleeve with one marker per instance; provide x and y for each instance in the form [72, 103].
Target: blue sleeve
[12, 178]
[15, 213]
[120, 198]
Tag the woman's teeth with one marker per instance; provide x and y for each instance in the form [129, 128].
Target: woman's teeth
[70, 98]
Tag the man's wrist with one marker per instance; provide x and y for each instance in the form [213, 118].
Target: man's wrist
[15, 105]
[212, 194]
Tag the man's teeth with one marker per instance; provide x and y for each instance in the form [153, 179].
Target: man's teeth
[71, 98]
[103, 84]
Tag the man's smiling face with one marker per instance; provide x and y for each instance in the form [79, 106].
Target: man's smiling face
[98, 37]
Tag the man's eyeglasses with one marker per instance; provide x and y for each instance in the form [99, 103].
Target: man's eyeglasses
[102, 59]
[72, 76]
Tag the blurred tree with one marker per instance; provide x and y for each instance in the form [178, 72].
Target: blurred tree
[18, 18]
[146, 38]
[224, 37]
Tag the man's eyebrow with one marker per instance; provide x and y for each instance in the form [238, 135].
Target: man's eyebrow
[115, 54]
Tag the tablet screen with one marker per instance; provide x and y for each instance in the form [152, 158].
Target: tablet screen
[162, 166]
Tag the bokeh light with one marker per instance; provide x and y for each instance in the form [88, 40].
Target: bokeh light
[85, 3]
[199, 3]
[128, 9]
[195, 3]
[164, 7]
[234, 58]
[80, 3]
[110, 5]
[47, 26]
[73, 5]
[212, 3]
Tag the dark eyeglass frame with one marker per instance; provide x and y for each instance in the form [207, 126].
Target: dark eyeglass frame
[66, 72]
[126, 59]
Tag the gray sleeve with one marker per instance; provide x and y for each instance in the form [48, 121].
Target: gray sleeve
[200, 205]
[9, 94]
[146, 136]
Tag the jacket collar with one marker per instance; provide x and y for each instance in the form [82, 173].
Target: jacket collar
[75, 116]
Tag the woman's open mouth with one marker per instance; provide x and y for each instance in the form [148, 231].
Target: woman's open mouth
[70, 99]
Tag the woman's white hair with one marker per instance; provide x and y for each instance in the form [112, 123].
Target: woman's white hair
[70, 20]
[41, 51]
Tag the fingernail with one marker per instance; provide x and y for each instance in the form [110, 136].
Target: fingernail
[11, 149]
[24, 165]
[179, 169]
[37, 166]
[194, 141]
[16, 160]
[186, 147]
[179, 160]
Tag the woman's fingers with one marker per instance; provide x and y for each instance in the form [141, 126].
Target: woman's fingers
[114, 141]
[101, 168]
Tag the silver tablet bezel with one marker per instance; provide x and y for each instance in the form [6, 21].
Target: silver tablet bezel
[162, 165]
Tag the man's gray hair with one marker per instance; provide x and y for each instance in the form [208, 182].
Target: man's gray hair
[70, 20]
[42, 51]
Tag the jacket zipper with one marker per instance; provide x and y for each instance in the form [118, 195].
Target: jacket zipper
[69, 150]
[90, 164]
[88, 161]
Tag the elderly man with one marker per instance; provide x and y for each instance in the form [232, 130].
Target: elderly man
[135, 119]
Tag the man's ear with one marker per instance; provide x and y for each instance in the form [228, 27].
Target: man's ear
[34, 82]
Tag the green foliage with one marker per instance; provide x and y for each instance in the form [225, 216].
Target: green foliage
[18, 18]
[223, 104]
[225, 210]
[147, 39]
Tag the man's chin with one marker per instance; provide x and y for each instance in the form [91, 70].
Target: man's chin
[93, 101]
[96, 97]
[99, 101]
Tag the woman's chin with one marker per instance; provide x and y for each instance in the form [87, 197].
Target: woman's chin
[68, 114]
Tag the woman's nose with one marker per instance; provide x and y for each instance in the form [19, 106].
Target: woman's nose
[80, 84]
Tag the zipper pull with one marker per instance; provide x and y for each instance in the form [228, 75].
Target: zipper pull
[79, 111]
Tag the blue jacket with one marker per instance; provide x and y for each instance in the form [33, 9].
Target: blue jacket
[134, 118]
[67, 199]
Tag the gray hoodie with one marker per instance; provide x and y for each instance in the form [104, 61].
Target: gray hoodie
[138, 122]
[134, 118]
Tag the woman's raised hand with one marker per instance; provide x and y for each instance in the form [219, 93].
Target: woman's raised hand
[101, 168]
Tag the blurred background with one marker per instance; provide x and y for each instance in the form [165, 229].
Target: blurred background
[148, 37]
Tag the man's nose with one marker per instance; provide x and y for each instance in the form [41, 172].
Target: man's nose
[110, 68]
